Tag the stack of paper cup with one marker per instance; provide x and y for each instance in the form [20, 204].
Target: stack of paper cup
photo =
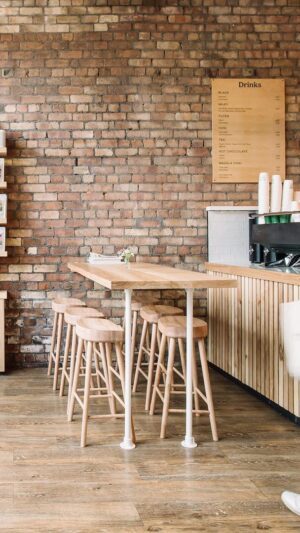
[263, 195]
[287, 195]
[276, 193]
[2, 139]
[297, 196]
[295, 206]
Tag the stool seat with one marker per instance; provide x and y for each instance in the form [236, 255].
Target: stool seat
[152, 313]
[60, 304]
[99, 330]
[137, 304]
[175, 327]
[73, 314]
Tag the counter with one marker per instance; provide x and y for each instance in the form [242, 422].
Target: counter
[244, 330]
[281, 275]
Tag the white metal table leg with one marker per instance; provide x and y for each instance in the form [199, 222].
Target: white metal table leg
[189, 441]
[127, 443]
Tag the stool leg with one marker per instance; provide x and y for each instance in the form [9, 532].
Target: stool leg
[167, 388]
[151, 366]
[97, 370]
[87, 384]
[140, 355]
[208, 392]
[65, 360]
[133, 337]
[122, 376]
[72, 363]
[158, 373]
[54, 332]
[57, 351]
[195, 382]
[110, 377]
[75, 379]
[105, 364]
[148, 340]
[182, 357]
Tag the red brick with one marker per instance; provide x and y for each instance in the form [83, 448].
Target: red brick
[108, 118]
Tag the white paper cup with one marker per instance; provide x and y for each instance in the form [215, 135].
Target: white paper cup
[2, 138]
[287, 195]
[263, 195]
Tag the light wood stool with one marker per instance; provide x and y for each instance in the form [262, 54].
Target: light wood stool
[99, 336]
[151, 315]
[59, 306]
[136, 306]
[71, 316]
[173, 328]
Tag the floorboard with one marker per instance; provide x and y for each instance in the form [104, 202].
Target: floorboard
[48, 483]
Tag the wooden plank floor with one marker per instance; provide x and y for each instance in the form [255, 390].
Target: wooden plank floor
[48, 483]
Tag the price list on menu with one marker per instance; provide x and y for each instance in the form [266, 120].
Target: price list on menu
[248, 129]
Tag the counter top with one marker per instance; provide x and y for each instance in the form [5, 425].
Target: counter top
[281, 275]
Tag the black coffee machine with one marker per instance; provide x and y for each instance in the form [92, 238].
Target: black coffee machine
[274, 245]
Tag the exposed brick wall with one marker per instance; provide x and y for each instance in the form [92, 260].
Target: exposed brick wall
[107, 108]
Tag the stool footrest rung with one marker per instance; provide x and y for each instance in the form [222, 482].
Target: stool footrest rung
[178, 373]
[79, 400]
[195, 411]
[115, 372]
[198, 391]
[118, 398]
[94, 389]
[160, 395]
[115, 415]
[143, 373]
[97, 396]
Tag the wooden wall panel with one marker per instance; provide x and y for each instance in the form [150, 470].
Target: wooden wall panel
[245, 339]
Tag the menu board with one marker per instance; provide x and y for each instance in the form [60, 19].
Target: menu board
[248, 129]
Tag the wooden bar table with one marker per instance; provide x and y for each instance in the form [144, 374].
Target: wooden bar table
[141, 276]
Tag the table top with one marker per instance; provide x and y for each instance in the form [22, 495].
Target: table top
[147, 276]
[287, 275]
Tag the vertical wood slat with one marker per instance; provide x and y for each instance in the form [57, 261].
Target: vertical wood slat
[233, 329]
[276, 343]
[254, 330]
[280, 352]
[271, 339]
[258, 334]
[285, 373]
[296, 408]
[250, 334]
[267, 339]
[246, 338]
[2, 332]
[290, 379]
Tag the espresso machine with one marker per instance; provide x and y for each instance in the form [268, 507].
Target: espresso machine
[274, 245]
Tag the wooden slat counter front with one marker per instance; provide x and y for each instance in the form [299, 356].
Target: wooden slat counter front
[244, 331]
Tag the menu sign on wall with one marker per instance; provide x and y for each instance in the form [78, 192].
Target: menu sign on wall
[248, 129]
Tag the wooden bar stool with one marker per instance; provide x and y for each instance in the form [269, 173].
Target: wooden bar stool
[151, 315]
[71, 316]
[99, 336]
[59, 306]
[173, 328]
[136, 305]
